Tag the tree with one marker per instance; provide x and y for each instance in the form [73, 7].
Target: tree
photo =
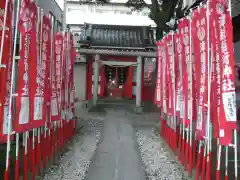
[161, 12]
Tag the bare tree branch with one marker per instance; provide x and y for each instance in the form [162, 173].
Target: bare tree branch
[137, 5]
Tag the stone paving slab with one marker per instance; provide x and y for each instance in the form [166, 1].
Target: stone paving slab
[117, 145]
[117, 157]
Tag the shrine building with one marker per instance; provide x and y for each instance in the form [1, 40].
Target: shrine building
[117, 61]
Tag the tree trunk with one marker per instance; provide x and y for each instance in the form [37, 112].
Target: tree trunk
[159, 33]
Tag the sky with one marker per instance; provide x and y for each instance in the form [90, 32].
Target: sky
[60, 3]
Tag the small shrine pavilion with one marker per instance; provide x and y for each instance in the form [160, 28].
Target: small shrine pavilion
[117, 57]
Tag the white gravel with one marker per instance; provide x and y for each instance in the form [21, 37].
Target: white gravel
[158, 161]
[74, 164]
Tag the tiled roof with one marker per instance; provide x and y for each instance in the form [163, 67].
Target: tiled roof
[132, 37]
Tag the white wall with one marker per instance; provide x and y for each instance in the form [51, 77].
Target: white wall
[80, 80]
[107, 14]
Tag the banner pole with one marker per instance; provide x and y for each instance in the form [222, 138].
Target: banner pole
[208, 170]
[180, 142]
[3, 33]
[199, 159]
[235, 130]
[226, 163]
[6, 173]
[183, 144]
[25, 157]
[186, 155]
[13, 71]
[51, 79]
[218, 170]
[39, 155]
[39, 56]
[17, 161]
[44, 141]
[66, 91]
[204, 160]
[235, 155]
[191, 99]
[174, 95]
[34, 130]
[33, 155]
[183, 139]
[187, 129]
[60, 134]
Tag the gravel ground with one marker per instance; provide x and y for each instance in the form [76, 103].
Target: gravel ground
[158, 161]
[74, 163]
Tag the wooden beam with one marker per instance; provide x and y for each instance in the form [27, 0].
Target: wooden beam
[117, 53]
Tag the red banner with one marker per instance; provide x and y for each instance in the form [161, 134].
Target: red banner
[5, 72]
[46, 58]
[71, 79]
[178, 71]
[64, 77]
[216, 76]
[199, 35]
[227, 111]
[170, 75]
[55, 116]
[42, 93]
[58, 60]
[164, 77]
[26, 24]
[194, 84]
[184, 31]
[158, 90]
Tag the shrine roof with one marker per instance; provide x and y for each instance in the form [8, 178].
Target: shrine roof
[115, 37]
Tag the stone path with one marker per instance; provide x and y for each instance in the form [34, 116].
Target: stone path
[131, 149]
[117, 144]
[117, 156]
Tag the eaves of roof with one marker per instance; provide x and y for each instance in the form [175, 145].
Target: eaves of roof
[96, 35]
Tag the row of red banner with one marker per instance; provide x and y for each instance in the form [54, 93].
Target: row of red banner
[196, 72]
[195, 88]
[44, 87]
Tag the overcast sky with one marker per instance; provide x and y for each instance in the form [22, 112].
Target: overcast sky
[60, 3]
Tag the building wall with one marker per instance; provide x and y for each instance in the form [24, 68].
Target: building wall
[51, 6]
[80, 80]
[106, 14]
